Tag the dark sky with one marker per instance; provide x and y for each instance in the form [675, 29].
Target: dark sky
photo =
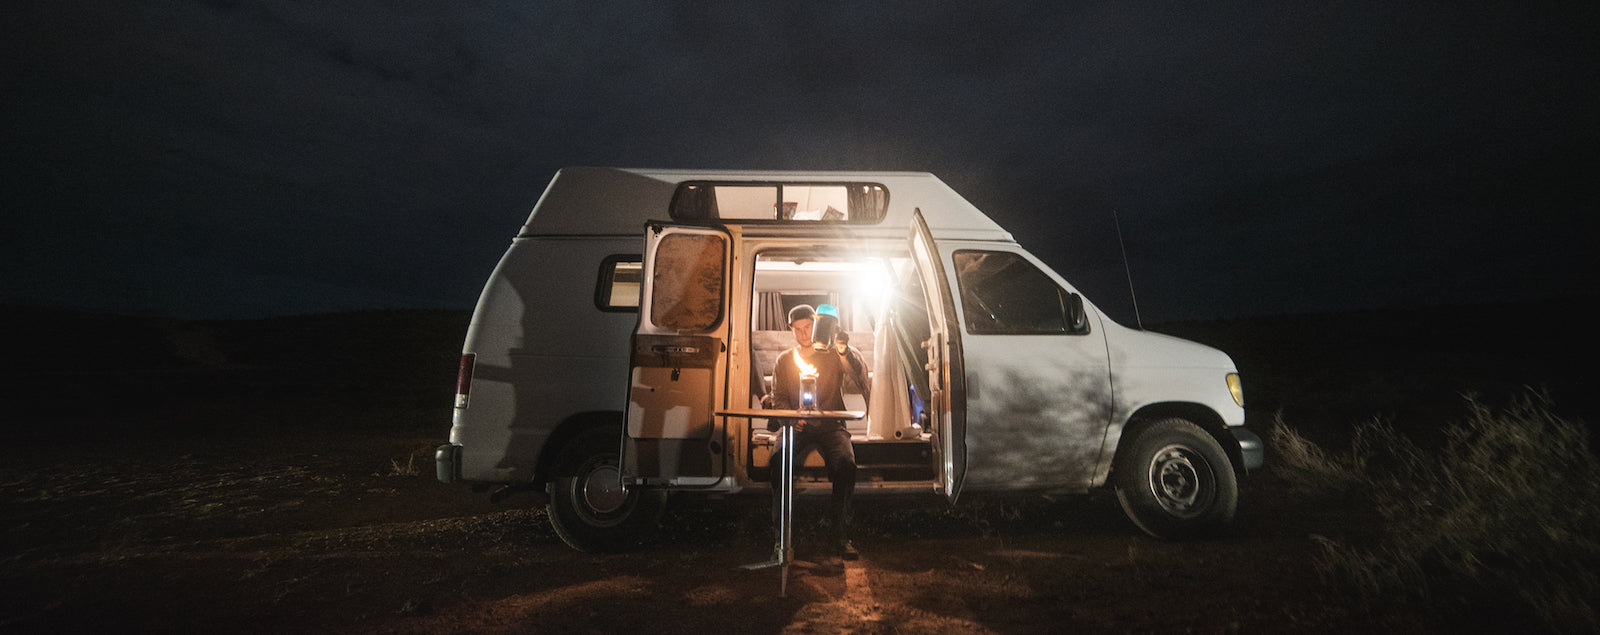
[245, 159]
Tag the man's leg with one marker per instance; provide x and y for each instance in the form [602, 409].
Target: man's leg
[840, 457]
[803, 444]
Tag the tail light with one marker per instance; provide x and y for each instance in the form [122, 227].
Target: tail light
[464, 379]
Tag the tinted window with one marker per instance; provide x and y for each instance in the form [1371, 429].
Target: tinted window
[1004, 294]
[686, 292]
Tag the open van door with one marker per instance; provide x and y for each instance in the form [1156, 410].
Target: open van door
[947, 401]
[677, 367]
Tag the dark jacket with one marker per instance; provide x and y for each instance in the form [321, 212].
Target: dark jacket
[855, 378]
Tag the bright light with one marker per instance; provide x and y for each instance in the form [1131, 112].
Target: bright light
[871, 284]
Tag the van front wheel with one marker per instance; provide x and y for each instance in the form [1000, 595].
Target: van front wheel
[1174, 481]
[589, 508]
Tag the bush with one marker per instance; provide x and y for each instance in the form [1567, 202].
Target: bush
[1504, 516]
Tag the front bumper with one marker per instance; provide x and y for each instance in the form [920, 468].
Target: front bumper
[1252, 452]
[447, 463]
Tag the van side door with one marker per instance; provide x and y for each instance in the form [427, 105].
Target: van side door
[1038, 377]
[946, 407]
[677, 367]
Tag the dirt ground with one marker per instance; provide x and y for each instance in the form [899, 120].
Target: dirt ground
[352, 534]
[182, 477]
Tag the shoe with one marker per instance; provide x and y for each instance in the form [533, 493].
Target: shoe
[848, 551]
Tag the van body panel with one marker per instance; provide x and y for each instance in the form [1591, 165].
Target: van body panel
[614, 201]
[543, 350]
[1153, 368]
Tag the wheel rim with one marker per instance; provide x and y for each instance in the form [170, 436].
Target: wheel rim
[1181, 481]
[599, 492]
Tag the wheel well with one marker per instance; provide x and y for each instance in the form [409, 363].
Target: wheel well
[568, 430]
[1197, 414]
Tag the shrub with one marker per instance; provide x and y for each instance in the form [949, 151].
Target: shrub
[1505, 515]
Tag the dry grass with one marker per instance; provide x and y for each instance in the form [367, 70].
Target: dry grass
[1503, 517]
[409, 468]
[411, 465]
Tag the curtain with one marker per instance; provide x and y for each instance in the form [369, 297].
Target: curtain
[867, 203]
[695, 202]
[769, 312]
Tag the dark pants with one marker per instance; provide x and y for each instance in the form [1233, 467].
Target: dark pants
[832, 441]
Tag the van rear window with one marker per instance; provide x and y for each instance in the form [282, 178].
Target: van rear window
[618, 286]
[686, 291]
[850, 203]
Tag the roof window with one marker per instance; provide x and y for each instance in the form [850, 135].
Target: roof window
[850, 203]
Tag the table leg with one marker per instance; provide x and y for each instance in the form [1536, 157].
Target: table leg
[785, 514]
[786, 521]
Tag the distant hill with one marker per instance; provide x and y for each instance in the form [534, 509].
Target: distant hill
[1412, 367]
[73, 372]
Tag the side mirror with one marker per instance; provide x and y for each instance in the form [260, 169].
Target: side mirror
[1077, 321]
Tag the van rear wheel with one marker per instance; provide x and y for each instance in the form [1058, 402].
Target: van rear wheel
[589, 508]
[1174, 481]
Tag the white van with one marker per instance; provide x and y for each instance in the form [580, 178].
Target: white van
[635, 305]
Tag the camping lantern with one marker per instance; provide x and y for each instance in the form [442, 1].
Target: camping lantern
[823, 325]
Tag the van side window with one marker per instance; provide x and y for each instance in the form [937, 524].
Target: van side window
[686, 291]
[1004, 294]
[618, 286]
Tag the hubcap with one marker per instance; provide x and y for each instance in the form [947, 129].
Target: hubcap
[601, 490]
[1180, 481]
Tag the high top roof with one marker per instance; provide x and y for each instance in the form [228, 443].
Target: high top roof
[618, 201]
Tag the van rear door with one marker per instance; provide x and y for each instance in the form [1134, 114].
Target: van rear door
[947, 399]
[677, 368]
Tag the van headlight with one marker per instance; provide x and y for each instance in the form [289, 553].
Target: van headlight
[1236, 389]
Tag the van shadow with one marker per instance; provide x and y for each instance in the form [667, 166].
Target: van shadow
[1038, 429]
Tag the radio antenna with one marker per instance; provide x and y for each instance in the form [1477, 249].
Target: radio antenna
[1126, 269]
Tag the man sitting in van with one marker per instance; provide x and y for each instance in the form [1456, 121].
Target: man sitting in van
[827, 436]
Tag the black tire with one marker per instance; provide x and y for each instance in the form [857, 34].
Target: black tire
[1174, 481]
[588, 507]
